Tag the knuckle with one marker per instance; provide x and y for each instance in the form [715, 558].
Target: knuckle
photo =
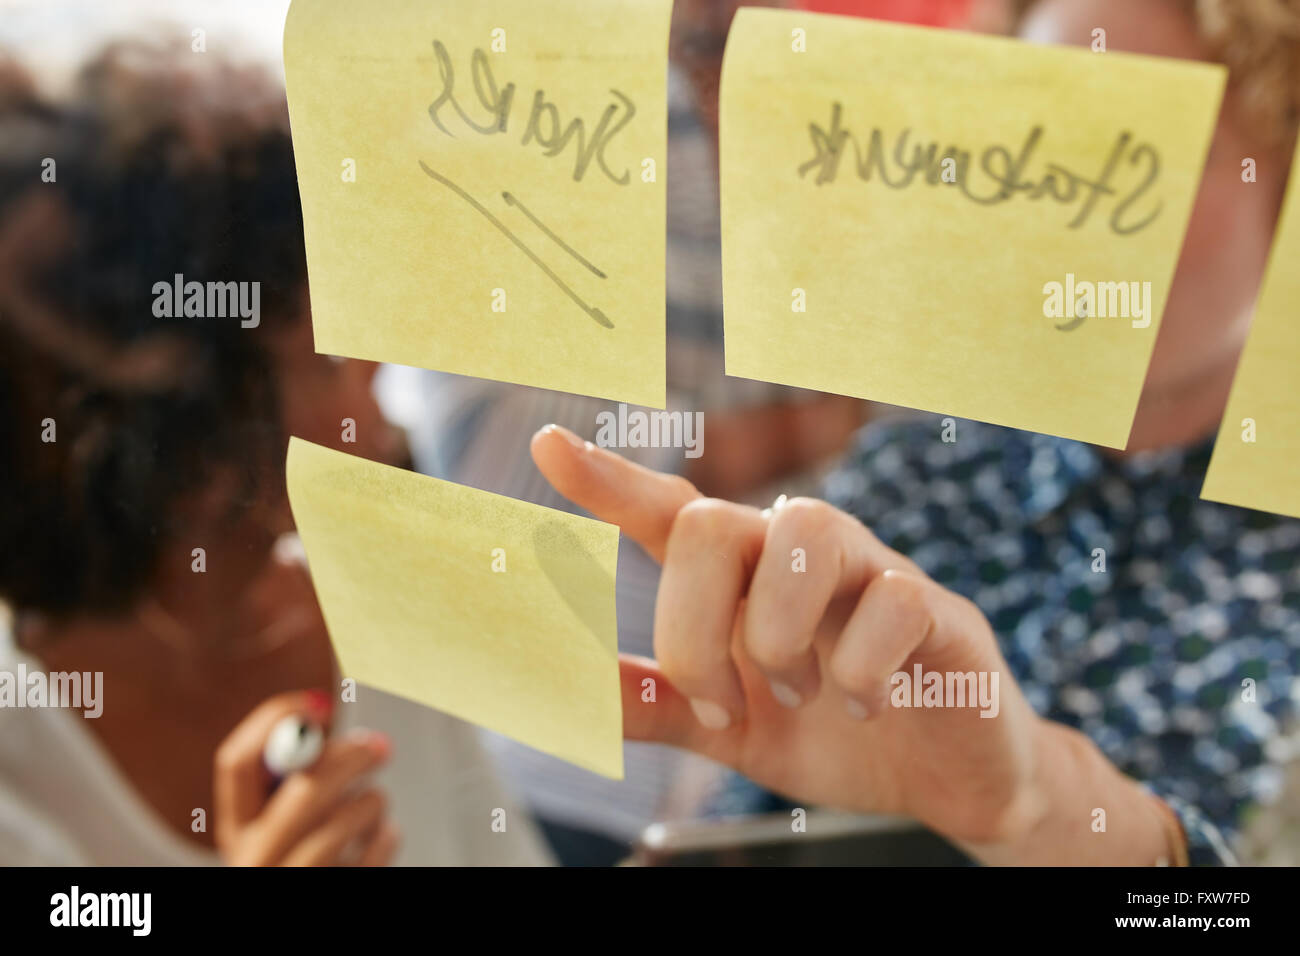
[903, 590]
[679, 666]
[852, 671]
[772, 651]
[226, 759]
[298, 788]
[681, 487]
[690, 666]
[969, 609]
[809, 517]
[908, 595]
[702, 518]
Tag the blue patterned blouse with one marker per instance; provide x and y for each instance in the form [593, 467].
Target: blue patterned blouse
[1164, 627]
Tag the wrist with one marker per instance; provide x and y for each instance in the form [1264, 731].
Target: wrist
[1077, 808]
[1027, 814]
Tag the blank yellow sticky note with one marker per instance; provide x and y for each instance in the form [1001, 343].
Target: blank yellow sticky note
[482, 186]
[497, 611]
[1256, 461]
[897, 203]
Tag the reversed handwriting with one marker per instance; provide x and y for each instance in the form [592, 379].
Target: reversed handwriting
[544, 125]
[1006, 174]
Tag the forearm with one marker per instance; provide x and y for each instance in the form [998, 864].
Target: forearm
[1085, 812]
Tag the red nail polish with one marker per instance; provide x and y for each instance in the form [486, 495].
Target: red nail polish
[319, 704]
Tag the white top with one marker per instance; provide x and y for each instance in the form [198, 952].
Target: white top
[64, 802]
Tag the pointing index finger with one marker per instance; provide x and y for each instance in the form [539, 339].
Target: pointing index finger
[642, 502]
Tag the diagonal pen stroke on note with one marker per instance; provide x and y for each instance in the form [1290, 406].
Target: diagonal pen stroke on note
[592, 311]
[513, 200]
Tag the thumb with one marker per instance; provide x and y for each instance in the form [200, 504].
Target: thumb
[656, 712]
[643, 503]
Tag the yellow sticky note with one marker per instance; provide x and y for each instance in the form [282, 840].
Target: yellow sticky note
[913, 216]
[496, 611]
[483, 186]
[1256, 461]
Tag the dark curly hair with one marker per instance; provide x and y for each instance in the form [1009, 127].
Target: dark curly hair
[163, 162]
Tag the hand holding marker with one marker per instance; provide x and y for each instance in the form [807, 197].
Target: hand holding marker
[288, 794]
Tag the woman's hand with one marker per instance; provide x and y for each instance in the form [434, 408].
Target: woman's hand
[322, 816]
[776, 637]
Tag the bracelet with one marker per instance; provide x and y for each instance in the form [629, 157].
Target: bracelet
[1175, 837]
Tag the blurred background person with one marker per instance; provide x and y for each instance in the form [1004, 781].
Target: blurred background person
[129, 439]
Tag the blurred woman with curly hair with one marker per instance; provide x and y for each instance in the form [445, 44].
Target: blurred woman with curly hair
[145, 517]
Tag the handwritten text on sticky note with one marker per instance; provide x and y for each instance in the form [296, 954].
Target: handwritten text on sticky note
[494, 610]
[483, 186]
[960, 224]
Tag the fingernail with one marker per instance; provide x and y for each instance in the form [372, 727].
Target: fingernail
[381, 744]
[877, 704]
[567, 435]
[786, 695]
[857, 710]
[711, 715]
[319, 704]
